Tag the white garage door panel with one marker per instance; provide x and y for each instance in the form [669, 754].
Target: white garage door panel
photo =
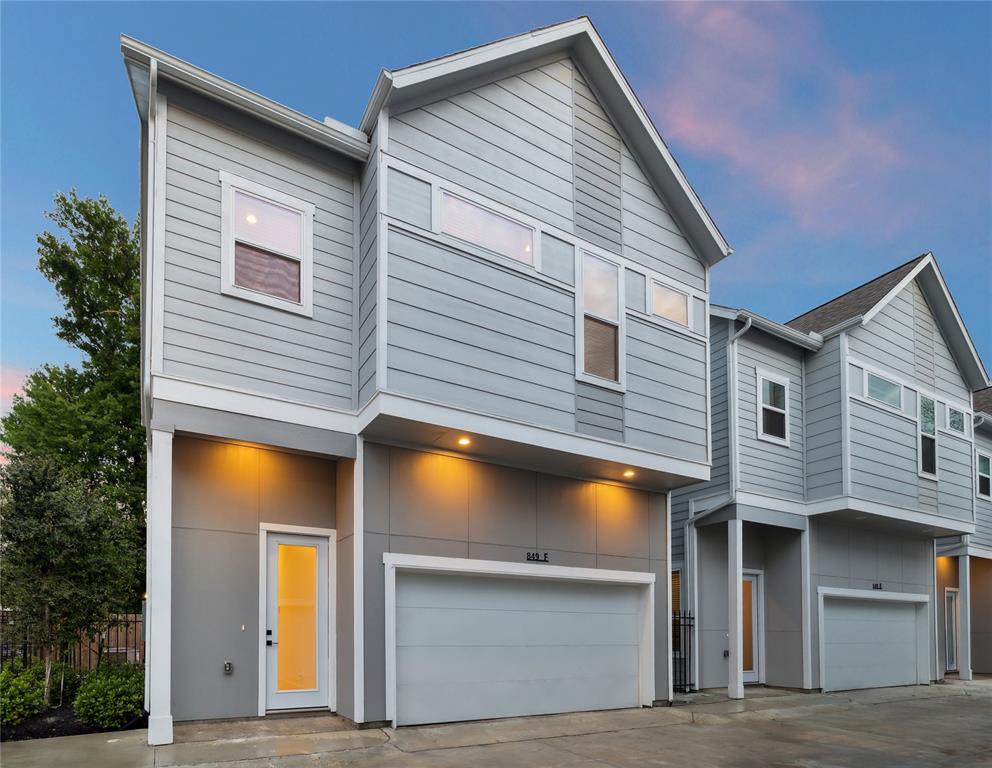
[869, 644]
[476, 647]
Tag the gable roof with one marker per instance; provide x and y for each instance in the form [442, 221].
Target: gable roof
[982, 400]
[421, 83]
[859, 305]
[855, 303]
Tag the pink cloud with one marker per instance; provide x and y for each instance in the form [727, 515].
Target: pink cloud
[11, 383]
[756, 86]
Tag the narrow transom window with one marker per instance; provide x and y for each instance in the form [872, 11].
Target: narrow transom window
[667, 302]
[955, 420]
[267, 247]
[773, 421]
[984, 475]
[928, 436]
[487, 229]
[600, 317]
[884, 391]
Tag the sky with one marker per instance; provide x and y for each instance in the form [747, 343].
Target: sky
[830, 142]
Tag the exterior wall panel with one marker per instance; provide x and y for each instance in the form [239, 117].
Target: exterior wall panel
[824, 433]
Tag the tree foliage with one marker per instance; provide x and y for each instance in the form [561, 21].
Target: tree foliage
[88, 418]
[63, 553]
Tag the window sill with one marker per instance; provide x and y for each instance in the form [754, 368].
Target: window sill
[588, 378]
[306, 309]
[784, 442]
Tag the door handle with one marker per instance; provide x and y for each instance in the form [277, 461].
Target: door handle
[269, 642]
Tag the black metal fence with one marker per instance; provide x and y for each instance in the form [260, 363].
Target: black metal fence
[682, 628]
[123, 640]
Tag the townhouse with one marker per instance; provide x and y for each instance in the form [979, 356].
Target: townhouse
[417, 392]
[842, 539]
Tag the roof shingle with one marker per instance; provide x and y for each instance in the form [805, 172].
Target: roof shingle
[983, 400]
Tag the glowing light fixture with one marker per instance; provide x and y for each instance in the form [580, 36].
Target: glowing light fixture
[628, 473]
[463, 441]
[251, 218]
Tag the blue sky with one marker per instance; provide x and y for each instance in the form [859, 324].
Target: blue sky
[830, 142]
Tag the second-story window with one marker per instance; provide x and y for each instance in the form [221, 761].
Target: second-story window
[955, 420]
[984, 467]
[487, 229]
[928, 436]
[884, 391]
[600, 318]
[267, 248]
[670, 303]
[773, 408]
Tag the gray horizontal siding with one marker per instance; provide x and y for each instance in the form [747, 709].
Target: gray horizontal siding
[956, 485]
[651, 237]
[767, 467]
[228, 341]
[598, 411]
[824, 438]
[904, 338]
[983, 508]
[720, 471]
[509, 140]
[368, 275]
[470, 333]
[597, 169]
[666, 391]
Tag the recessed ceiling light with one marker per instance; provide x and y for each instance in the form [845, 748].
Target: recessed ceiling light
[464, 441]
[251, 218]
[628, 473]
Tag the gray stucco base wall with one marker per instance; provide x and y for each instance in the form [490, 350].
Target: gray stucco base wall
[221, 492]
[857, 557]
[711, 565]
[432, 504]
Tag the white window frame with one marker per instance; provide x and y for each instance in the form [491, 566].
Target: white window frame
[867, 396]
[621, 322]
[920, 434]
[947, 420]
[689, 302]
[979, 475]
[438, 191]
[760, 376]
[229, 184]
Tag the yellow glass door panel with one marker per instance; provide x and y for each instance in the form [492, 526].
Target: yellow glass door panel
[748, 627]
[297, 607]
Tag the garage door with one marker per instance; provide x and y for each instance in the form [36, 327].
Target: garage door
[471, 647]
[870, 644]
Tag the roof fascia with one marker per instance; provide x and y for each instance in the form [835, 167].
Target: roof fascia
[338, 137]
[580, 39]
[967, 356]
[810, 341]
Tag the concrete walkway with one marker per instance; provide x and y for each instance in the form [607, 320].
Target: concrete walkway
[906, 727]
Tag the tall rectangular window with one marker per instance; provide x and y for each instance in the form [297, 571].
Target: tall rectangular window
[600, 317]
[267, 248]
[773, 408]
[984, 467]
[928, 436]
[884, 391]
[487, 229]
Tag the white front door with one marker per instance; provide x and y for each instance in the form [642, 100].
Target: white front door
[751, 627]
[296, 631]
[951, 628]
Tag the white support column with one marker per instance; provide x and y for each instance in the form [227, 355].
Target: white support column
[159, 533]
[964, 612]
[735, 605]
[807, 619]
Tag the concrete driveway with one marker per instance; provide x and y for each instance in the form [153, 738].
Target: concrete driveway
[921, 726]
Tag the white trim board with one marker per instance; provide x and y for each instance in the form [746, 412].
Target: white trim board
[393, 561]
[264, 529]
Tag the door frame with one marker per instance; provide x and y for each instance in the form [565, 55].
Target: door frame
[394, 561]
[264, 529]
[758, 630]
[957, 627]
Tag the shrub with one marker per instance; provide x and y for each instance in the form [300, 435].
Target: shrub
[111, 696]
[22, 692]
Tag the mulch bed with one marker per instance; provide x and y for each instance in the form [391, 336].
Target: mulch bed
[59, 721]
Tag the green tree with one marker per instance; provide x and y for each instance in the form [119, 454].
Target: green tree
[61, 547]
[89, 417]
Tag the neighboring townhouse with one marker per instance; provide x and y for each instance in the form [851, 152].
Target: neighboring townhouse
[417, 392]
[842, 448]
[964, 568]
